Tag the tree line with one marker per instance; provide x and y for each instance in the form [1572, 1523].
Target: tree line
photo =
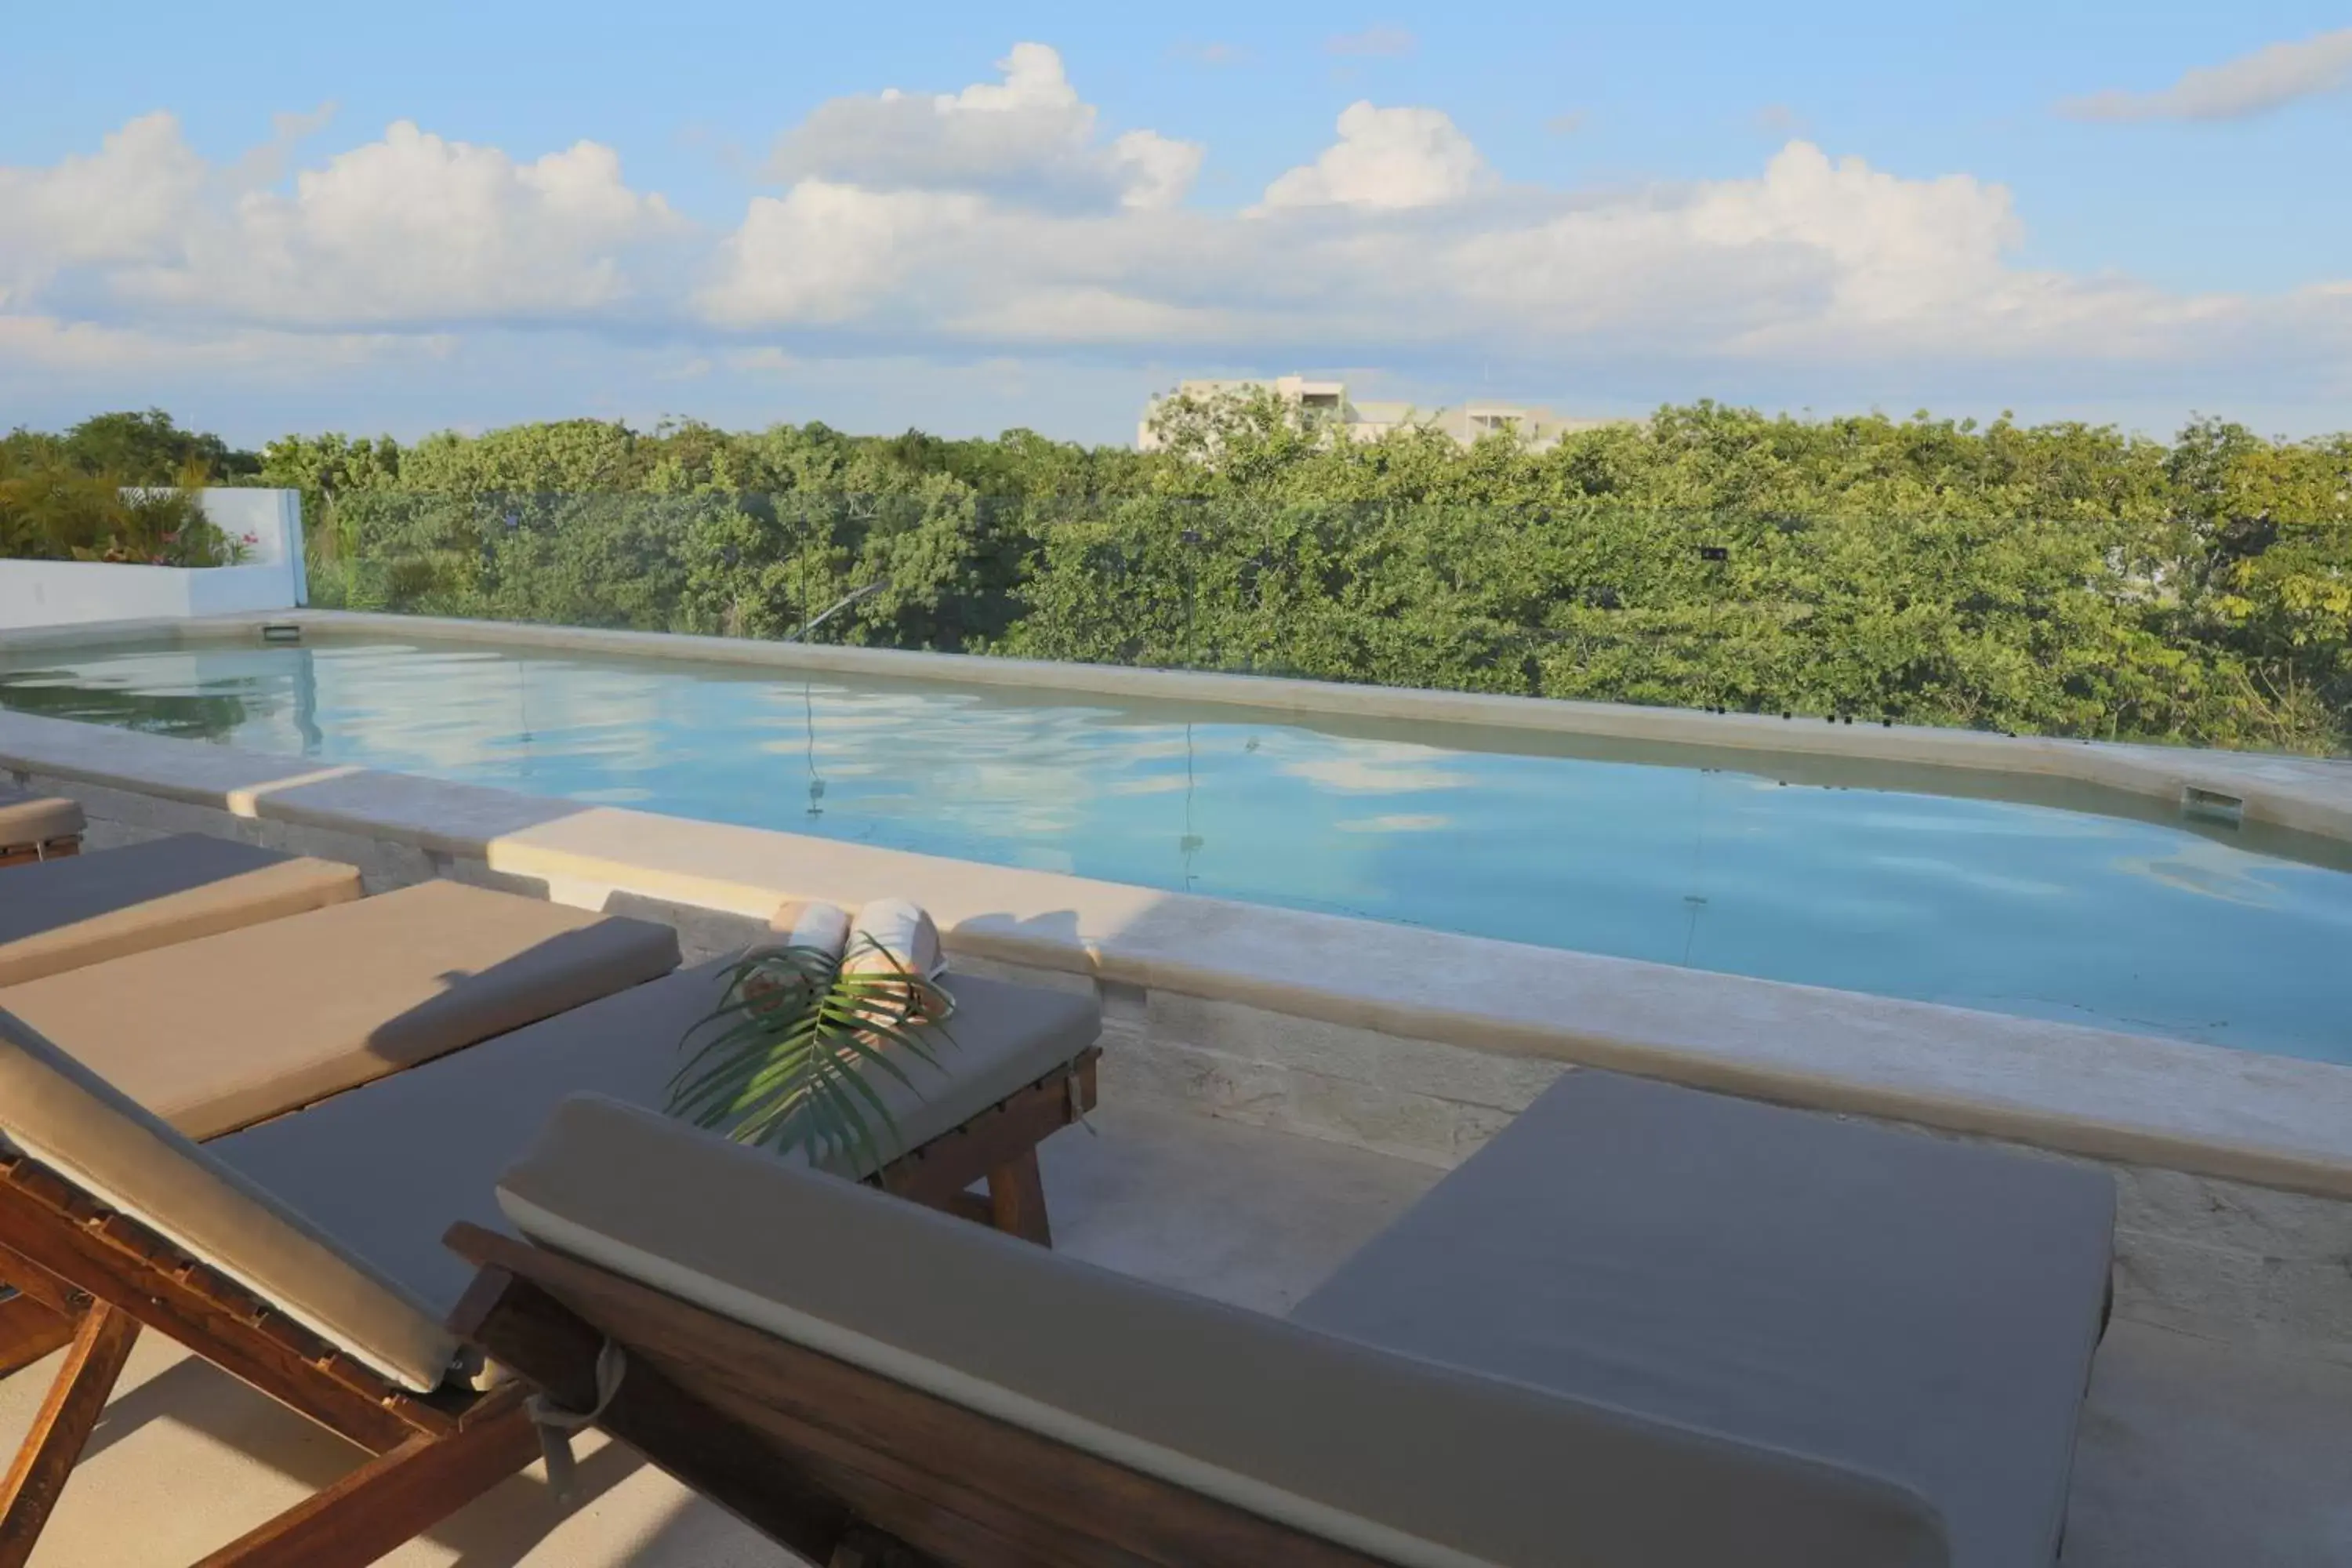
[2062, 578]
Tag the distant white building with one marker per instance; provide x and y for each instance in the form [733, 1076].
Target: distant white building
[1369, 421]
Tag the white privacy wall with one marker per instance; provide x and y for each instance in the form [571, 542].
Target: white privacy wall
[67, 593]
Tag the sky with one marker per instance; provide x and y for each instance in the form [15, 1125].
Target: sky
[967, 218]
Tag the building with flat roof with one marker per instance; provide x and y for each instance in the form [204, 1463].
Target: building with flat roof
[1370, 420]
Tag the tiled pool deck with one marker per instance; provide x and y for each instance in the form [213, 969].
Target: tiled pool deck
[2192, 1454]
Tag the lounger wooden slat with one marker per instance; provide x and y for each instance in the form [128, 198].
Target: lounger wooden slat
[52, 1225]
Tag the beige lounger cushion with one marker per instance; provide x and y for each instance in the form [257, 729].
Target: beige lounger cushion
[1925, 1307]
[1408, 1461]
[63, 1115]
[217, 1033]
[62, 914]
[477, 1110]
[36, 819]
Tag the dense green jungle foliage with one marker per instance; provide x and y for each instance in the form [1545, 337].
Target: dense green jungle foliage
[2063, 579]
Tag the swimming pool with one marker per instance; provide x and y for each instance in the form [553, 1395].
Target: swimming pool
[2019, 908]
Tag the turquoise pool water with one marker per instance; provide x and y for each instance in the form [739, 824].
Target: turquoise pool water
[2019, 908]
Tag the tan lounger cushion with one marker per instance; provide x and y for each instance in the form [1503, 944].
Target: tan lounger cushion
[479, 1109]
[1406, 1460]
[213, 1034]
[65, 1116]
[65, 913]
[36, 819]
[1924, 1307]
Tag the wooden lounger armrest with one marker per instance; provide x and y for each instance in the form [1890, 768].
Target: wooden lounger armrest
[808, 1449]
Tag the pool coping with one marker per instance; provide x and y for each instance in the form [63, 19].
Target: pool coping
[2272, 1122]
[2297, 794]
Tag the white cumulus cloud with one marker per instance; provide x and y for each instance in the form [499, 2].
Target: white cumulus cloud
[124, 203]
[1027, 135]
[412, 229]
[1002, 225]
[2269, 78]
[1387, 158]
[415, 228]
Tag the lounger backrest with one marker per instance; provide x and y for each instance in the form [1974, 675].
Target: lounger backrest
[1402, 1460]
[70, 1120]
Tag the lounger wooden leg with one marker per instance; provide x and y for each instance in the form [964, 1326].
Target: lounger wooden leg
[394, 1497]
[1016, 1199]
[101, 1345]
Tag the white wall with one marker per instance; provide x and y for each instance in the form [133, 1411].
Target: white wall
[66, 593]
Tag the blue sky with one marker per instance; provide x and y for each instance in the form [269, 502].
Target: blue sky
[406, 218]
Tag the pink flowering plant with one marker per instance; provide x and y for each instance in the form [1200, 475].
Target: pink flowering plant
[50, 511]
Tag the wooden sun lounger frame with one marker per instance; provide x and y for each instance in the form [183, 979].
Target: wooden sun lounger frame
[27, 853]
[89, 1279]
[104, 1276]
[843, 1465]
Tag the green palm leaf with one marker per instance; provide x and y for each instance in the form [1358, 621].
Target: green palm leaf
[787, 1059]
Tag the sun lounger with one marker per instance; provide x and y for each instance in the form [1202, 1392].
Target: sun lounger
[1645, 1326]
[215, 1033]
[225, 1030]
[69, 912]
[1022, 1065]
[330, 1295]
[115, 1220]
[38, 828]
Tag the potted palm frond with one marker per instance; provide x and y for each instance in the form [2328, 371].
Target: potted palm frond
[785, 1060]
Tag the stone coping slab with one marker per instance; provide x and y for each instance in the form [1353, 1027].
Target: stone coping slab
[2270, 1120]
[2281, 798]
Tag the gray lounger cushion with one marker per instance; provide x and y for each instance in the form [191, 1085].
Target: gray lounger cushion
[449, 1127]
[217, 1033]
[65, 1116]
[79, 909]
[1875, 1296]
[37, 819]
[1406, 1460]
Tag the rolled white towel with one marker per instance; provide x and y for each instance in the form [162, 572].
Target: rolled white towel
[812, 922]
[894, 934]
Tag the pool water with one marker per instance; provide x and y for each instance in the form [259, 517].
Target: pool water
[2019, 908]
